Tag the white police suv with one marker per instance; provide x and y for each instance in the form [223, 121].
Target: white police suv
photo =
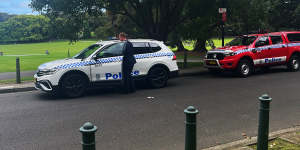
[101, 63]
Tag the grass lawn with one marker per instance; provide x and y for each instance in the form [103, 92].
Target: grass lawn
[57, 50]
[279, 144]
[189, 44]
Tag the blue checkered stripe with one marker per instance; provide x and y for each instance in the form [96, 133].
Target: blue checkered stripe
[293, 44]
[266, 47]
[112, 60]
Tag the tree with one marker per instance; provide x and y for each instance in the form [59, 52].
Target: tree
[157, 18]
[24, 28]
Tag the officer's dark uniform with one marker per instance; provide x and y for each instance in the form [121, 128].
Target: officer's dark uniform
[127, 66]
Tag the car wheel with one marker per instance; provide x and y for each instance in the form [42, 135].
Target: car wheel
[293, 64]
[157, 77]
[73, 85]
[244, 68]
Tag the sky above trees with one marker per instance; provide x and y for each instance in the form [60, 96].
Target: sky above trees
[15, 7]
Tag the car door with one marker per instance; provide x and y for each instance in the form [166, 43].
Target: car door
[108, 63]
[262, 50]
[143, 57]
[279, 49]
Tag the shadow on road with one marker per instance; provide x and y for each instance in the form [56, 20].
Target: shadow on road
[106, 91]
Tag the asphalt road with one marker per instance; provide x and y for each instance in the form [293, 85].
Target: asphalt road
[228, 107]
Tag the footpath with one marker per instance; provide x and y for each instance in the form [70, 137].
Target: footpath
[288, 139]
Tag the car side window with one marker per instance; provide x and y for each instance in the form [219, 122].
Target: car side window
[262, 41]
[276, 39]
[111, 51]
[155, 47]
[294, 37]
[141, 48]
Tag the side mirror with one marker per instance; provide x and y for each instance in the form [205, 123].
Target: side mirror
[95, 57]
[254, 51]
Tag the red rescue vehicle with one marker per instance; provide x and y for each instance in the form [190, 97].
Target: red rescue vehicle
[245, 53]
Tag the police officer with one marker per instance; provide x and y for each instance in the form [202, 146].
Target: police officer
[127, 65]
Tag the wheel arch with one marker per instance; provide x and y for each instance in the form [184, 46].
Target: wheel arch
[160, 65]
[296, 53]
[74, 72]
[246, 57]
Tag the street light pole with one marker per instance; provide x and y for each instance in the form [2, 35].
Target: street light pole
[223, 24]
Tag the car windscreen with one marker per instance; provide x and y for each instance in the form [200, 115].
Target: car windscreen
[87, 51]
[242, 40]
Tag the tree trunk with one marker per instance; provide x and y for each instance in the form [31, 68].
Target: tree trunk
[180, 46]
[200, 46]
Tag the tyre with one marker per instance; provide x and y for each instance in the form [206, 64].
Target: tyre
[244, 68]
[293, 64]
[157, 77]
[73, 85]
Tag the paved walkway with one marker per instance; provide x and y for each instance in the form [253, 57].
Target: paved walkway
[12, 75]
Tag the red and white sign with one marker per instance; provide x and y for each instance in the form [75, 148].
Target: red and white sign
[222, 10]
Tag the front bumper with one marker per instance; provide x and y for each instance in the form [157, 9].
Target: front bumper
[44, 85]
[220, 64]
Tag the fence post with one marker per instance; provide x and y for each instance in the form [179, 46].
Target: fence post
[88, 131]
[18, 74]
[190, 130]
[263, 126]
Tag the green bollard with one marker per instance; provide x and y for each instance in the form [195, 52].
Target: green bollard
[88, 131]
[18, 74]
[263, 126]
[190, 130]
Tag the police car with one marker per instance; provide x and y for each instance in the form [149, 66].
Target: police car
[101, 64]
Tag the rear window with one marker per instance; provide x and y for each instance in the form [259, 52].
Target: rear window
[294, 37]
[141, 48]
[155, 47]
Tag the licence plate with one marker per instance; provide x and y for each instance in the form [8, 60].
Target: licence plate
[211, 62]
[35, 80]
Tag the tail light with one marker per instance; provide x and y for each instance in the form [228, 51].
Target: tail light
[174, 57]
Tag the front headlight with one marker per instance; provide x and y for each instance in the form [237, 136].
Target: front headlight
[46, 72]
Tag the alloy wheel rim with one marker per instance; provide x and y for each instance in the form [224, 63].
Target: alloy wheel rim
[245, 69]
[295, 64]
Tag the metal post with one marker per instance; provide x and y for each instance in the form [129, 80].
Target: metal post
[223, 33]
[69, 53]
[88, 131]
[185, 58]
[223, 24]
[263, 126]
[190, 130]
[18, 74]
